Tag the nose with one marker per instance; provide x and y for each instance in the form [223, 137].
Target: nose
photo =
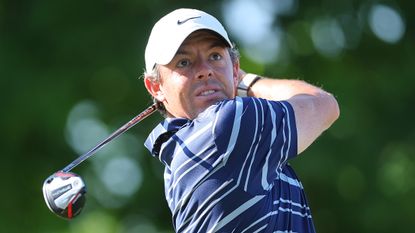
[203, 70]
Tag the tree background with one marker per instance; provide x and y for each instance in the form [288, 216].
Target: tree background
[70, 74]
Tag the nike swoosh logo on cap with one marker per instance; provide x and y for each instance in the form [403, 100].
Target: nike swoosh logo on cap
[179, 22]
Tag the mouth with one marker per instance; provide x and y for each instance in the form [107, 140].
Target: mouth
[210, 95]
[207, 93]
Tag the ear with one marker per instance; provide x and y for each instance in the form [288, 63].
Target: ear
[153, 87]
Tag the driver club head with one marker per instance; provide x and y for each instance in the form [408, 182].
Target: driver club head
[64, 194]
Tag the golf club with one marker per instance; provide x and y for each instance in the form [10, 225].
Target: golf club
[64, 191]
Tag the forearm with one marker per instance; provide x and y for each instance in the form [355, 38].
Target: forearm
[315, 109]
[295, 91]
[282, 89]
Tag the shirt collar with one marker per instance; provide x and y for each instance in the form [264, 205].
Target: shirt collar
[162, 132]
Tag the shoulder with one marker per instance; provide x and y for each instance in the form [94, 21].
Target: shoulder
[247, 112]
[246, 106]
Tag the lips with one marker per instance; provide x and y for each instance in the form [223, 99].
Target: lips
[207, 92]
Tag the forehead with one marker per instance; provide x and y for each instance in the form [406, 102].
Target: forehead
[204, 36]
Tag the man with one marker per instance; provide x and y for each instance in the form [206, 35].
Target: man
[228, 135]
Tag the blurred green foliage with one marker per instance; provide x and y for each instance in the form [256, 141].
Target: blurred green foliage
[55, 54]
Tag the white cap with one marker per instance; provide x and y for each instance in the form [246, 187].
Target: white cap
[170, 31]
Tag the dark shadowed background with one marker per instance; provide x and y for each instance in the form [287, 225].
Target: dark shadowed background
[70, 75]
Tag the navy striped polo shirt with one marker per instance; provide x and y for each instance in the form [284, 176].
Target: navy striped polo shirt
[227, 170]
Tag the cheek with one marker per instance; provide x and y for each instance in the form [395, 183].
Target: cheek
[233, 82]
[173, 88]
[169, 91]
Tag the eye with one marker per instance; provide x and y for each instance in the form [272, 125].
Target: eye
[183, 63]
[216, 56]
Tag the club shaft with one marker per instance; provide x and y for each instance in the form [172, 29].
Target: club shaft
[147, 112]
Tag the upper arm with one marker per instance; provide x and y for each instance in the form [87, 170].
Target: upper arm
[313, 115]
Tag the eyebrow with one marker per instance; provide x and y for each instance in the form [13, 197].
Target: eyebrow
[215, 43]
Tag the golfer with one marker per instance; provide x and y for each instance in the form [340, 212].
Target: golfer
[228, 135]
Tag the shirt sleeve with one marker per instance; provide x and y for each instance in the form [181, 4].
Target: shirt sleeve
[257, 137]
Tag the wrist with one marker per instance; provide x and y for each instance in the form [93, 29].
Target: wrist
[246, 83]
